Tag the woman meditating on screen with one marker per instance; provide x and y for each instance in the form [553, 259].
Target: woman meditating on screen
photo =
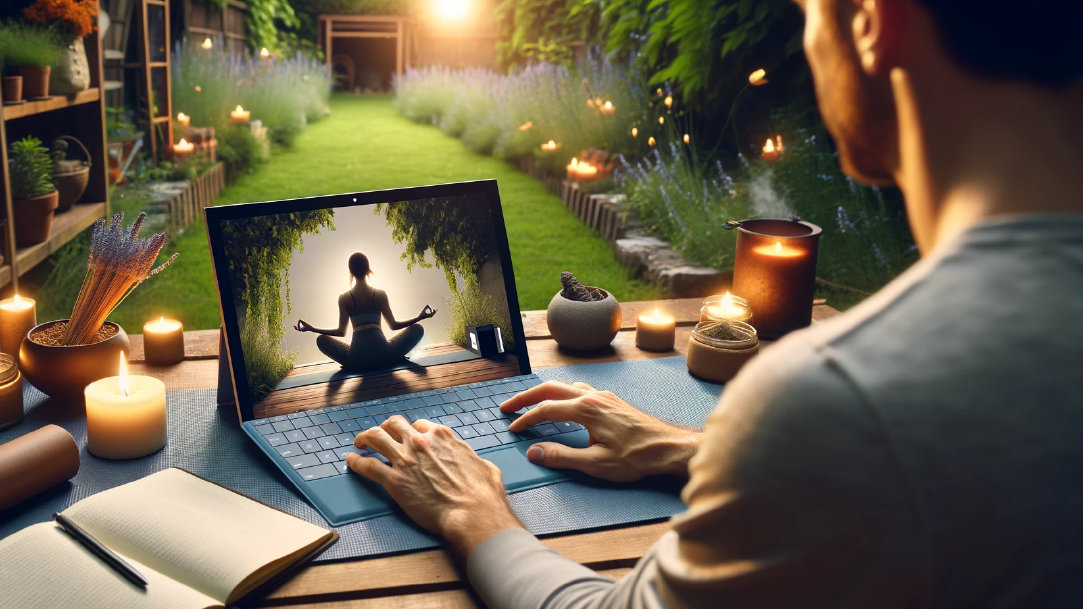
[363, 305]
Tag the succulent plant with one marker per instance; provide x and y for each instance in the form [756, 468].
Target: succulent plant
[31, 169]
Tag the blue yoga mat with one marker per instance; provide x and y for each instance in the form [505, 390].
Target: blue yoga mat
[209, 443]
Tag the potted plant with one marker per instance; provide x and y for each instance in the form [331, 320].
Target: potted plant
[62, 357]
[582, 318]
[11, 87]
[31, 52]
[71, 20]
[34, 197]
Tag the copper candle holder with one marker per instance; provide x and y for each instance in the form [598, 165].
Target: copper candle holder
[775, 270]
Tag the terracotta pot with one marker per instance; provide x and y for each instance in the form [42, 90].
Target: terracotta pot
[583, 326]
[33, 218]
[35, 80]
[64, 371]
[12, 89]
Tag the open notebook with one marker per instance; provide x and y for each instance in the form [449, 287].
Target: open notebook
[198, 544]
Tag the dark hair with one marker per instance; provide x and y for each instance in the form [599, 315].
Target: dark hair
[359, 265]
[1040, 42]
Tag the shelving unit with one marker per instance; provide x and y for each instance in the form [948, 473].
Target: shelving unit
[81, 115]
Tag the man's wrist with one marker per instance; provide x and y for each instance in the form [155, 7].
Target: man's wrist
[466, 528]
[678, 450]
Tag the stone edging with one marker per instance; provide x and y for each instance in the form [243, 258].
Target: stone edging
[183, 201]
[648, 256]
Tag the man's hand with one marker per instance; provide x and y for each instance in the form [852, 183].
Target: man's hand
[438, 480]
[626, 444]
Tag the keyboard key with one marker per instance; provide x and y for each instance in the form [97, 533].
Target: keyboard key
[283, 425]
[349, 425]
[433, 399]
[341, 467]
[295, 436]
[547, 429]
[506, 437]
[319, 419]
[484, 429]
[481, 442]
[499, 424]
[325, 470]
[311, 433]
[565, 426]
[468, 418]
[311, 446]
[265, 429]
[450, 421]
[431, 412]
[328, 442]
[330, 429]
[481, 390]
[345, 439]
[487, 402]
[342, 451]
[278, 418]
[338, 415]
[465, 394]
[451, 408]
[465, 432]
[303, 461]
[299, 413]
[327, 456]
[483, 414]
[275, 439]
[289, 450]
[365, 423]
[469, 405]
[415, 414]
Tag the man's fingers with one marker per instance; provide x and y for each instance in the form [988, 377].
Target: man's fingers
[559, 456]
[583, 385]
[549, 390]
[424, 425]
[552, 410]
[378, 440]
[397, 427]
[371, 468]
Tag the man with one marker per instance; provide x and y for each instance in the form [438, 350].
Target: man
[924, 449]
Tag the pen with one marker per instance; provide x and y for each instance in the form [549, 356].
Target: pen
[96, 547]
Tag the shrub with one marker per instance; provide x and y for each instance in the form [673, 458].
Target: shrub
[240, 149]
[23, 44]
[265, 364]
[472, 307]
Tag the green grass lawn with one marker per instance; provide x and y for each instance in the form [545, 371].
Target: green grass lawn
[366, 145]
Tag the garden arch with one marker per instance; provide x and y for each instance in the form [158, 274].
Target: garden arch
[354, 53]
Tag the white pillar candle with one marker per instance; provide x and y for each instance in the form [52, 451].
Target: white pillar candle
[17, 316]
[163, 342]
[125, 415]
[655, 332]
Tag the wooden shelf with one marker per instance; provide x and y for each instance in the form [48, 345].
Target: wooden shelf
[55, 102]
[65, 226]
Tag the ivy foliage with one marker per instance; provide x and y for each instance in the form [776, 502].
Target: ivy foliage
[269, 23]
[541, 31]
[703, 48]
[259, 251]
[458, 235]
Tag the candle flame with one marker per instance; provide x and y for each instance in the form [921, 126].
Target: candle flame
[778, 143]
[18, 299]
[122, 376]
[669, 101]
[635, 131]
[727, 300]
[207, 44]
[687, 139]
[182, 143]
[238, 109]
[778, 244]
[758, 77]
[182, 117]
[650, 141]
[661, 120]
[607, 106]
[769, 146]
[161, 320]
[526, 126]
[264, 53]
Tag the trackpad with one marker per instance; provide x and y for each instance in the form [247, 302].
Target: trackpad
[519, 473]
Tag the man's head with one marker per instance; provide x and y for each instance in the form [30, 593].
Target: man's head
[852, 46]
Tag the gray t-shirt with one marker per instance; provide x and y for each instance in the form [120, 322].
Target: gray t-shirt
[923, 450]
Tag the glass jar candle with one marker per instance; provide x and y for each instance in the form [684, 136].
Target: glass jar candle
[725, 307]
[11, 392]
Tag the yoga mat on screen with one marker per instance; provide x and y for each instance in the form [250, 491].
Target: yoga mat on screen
[208, 442]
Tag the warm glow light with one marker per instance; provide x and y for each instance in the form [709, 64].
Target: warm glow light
[207, 44]
[451, 10]
[657, 317]
[778, 144]
[590, 103]
[18, 304]
[779, 251]
[183, 147]
[550, 146]
[660, 93]
[183, 119]
[668, 101]
[635, 131]
[661, 120]
[526, 126]
[199, 89]
[687, 139]
[264, 53]
[758, 77]
[163, 325]
[240, 115]
[608, 108]
[650, 141]
[770, 153]
[769, 146]
[122, 375]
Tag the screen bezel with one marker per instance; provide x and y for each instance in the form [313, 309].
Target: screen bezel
[485, 191]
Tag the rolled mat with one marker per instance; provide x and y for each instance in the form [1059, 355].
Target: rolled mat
[35, 462]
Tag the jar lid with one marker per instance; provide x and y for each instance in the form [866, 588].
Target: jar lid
[725, 334]
[8, 369]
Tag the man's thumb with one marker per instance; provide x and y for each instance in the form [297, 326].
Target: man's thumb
[553, 455]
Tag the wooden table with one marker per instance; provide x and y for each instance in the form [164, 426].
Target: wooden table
[429, 579]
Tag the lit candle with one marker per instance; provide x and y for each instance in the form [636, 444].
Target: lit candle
[770, 153]
[661, 120]
[239, 115]
[608, 107]
[183, 148]
[757, 77]
[635, 131]
[527, 126]
[183, 119]
[727, 307]
[125, 415]
[11, 392]
[163, 341]
[264, 53]
[668, 101]
[687, 139]
[655, 332]
[572, 170]
[550, 146]
[207, 44]
[775, 269]
[17, 316]
[650, 141]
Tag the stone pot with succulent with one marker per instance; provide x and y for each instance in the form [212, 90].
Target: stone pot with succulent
[34, 197]
[62, 357]
[582, 318]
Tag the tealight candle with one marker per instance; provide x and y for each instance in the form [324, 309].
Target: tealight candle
[163, 341]
[550, 146]
[655, 332]
[17, 316]
[770, 152]
[607, 108]
[264, 53]
[207, 44]
[183, 119]
[11, 392]
[726, 307]
[125, 415]
[240, 115]
[183, 148]
[775, 269]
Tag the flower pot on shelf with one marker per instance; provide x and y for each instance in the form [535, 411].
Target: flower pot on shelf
[35, 81]
[583, 326]
[33, 218]
[70, 176]
[72, 74]
[65, 370]
[12, 89]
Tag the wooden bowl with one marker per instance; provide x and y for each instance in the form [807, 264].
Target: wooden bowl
[64, 371]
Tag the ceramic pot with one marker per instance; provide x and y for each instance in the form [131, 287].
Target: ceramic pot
[72, 73]
[583, 326]
[64, 371]
[33, 218]
[719, 361]
[12, 89]
[35, 80]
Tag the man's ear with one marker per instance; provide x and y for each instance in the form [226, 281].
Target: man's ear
[876, 28]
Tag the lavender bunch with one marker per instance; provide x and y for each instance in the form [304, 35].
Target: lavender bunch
[119, 261]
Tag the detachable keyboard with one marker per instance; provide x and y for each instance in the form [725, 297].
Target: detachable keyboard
[310, 446]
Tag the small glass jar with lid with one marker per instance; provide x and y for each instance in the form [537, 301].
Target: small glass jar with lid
[718, 349]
